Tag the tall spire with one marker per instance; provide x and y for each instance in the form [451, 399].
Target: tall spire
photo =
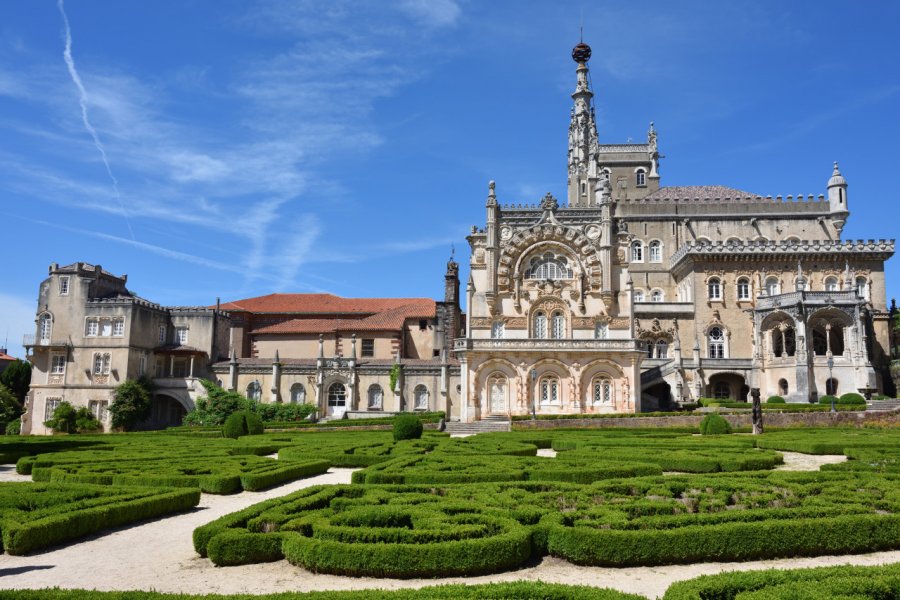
[583, 140]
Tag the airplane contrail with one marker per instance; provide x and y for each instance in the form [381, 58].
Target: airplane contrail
[82, 99]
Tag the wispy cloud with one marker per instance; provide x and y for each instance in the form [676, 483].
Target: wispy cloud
[256, 185]
[82, 100]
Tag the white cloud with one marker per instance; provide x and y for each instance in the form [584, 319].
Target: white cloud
[432, 13]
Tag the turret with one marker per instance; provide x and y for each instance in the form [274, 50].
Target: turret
[583, 140]
[837, 199]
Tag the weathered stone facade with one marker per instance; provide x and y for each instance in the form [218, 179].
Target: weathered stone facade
[634, 296]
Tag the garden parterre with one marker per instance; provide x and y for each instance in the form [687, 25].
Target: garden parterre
[466, 529]
[35, 516]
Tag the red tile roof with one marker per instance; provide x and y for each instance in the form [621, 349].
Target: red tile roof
[386, 320]
[324, 304]
[5, 356]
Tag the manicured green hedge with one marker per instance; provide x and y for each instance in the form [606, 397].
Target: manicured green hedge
[430, 529]
[713, 424]
[34, 516]
[807, 584]
[522, 590]
[407, 427]
[775, 400]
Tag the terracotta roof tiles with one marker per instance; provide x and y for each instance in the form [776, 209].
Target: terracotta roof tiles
[323, 304]
[392, 319]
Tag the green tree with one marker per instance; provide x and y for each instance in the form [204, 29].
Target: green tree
[17, 377]
[10, 407]
[131, 404]
[63, 419]
[86, 422]
[216, 406]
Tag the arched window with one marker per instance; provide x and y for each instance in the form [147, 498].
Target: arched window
[298, 394]
[420, 394]
[831, 284]
[773, 287]
[46, 327]
[721, 391]
[375, 397]
[549, 390]
[831, 386]
[714, 286]
[638, 295]
[497, 330]
[637, 251]
[655, 248]
[743, 288]
[549, 266]
[539, 326]
[783, 387]
[557, 326]
[640, 177]
[254, 391]
[602, 392]
[862, 287]
[662, 349]
[656, 296]
[497, 391]
[601, 331]
[716, 343]
[337, 396]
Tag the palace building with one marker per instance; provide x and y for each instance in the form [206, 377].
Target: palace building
[626, 296]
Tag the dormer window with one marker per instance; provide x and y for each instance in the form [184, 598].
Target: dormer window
[549, 266]
[640, 177]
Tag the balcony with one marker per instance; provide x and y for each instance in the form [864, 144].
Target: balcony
[664, 309]
[810, 298]
[30, 341]
[544, 345]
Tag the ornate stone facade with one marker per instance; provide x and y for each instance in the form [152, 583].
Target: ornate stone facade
[634, 296]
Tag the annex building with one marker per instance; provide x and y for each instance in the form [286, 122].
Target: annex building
[624, 296]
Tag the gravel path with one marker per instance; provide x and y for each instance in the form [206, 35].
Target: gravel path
[795, 461]
[158, 555]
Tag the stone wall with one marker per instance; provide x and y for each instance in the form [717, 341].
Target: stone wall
[809, 419]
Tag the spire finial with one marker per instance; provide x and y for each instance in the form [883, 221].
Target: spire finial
[836, 170]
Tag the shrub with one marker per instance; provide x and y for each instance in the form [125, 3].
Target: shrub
[131, 404]
[826, 399]
[215, 407]
[243, 422]
[63, 419]
[775, 400]
[14, 427]
[276, 412]
[713, 424]
[852, 398]
[407, 427]
[86, 422]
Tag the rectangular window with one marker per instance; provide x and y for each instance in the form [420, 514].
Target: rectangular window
[181, 335]
[92, 328]
[160, 367]
[50, 405]
[142, 368]
[368, 348]
[119, 327]
[180, 367]
[106, 328]
[99, 409]
[63, 286]
[423, 325]
[101, 363]
[162, 334]
[57, 364]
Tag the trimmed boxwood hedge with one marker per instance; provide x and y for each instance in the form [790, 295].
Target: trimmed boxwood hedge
[522, 590]
[809, 584]
[462, 529]
[713, 424]
[35, 516]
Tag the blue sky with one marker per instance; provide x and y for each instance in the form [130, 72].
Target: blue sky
[295, 146]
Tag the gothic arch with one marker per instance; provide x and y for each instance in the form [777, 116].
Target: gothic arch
[774, 319]
[524, 243]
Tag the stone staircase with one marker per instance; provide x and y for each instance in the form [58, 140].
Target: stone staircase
[490, 423]
[884, 405]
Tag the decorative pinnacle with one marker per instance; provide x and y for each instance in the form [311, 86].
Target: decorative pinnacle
[581, 53]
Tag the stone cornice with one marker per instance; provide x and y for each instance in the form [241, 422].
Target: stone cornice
[760, 250]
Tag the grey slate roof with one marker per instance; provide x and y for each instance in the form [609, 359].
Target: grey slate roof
[682, 192]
